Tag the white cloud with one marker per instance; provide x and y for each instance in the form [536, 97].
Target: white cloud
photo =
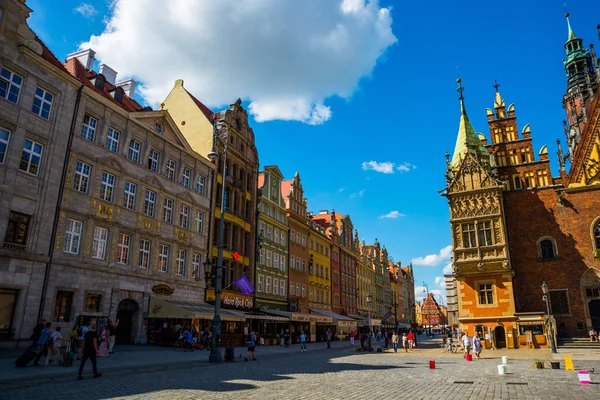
[392, 215]
[341, 190]
[448, 270]
[360, 193]
[387, 167]
[439, 294]
[433, 260]
[383, 167]
[285, 57]
[439, 281]
[85, 9]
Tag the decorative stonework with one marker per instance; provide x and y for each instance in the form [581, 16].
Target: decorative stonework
[474, 204]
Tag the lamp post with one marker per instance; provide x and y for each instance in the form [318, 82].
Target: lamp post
[219, 131]
[369, 296]
[426, 290]
[549, 316]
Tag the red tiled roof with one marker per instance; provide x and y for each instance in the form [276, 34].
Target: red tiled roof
[49, 56]
[285, 189]
[76, 68]
[261, 180]
[205, 110]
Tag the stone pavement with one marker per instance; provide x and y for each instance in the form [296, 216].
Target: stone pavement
[318, 374]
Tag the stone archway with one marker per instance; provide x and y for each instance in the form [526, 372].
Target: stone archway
[500, 337]
[590, 293]
[125, 316]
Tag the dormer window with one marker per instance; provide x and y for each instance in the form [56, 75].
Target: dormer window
[118, 94]
[99, 81]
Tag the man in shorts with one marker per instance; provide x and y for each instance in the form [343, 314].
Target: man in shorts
[251, 342]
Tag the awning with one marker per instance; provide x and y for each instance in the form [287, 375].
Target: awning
[302, 317]
[266, 316]
[334, 316]
[169, 308]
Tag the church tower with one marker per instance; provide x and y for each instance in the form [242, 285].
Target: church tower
[581, 67]
[481, 260]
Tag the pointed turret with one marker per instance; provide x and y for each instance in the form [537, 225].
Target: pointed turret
[467, 140]
[572, 35]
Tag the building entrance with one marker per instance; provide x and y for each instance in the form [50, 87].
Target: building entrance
[500, 337]
[594, 306]
[125, 313]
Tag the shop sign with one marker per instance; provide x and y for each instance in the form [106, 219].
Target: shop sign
[162, 290]
[231, 300]
[532, 318]
[296, 317]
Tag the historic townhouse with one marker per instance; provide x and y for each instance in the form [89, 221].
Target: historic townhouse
[365, 282]
[295, 203]
[515, 226]
[406, 283]
[348, 244]
[330, 222]
[134, 211]
[197, 123]
[37, 99]
[272, 266]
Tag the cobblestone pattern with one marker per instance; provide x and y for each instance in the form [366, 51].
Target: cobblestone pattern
[331, 375]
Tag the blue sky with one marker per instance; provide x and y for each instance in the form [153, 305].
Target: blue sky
[403, 111]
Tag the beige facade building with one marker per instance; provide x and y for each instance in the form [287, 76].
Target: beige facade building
[37, 98]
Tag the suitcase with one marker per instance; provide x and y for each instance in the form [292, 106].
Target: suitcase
[28, 356]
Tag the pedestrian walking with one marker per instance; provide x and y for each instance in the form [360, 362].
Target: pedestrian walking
[328, 336]
[112, 331]
[104, 338]
[286, 338]
[411, 340]
[83, 329]
[90, 351]
[251, 342]
[395, 342]
[466, 342]
[302, 341]
[37, 333]
[54, 350]
[281, 338]
[74, 338]
[405, 342]
[352, 336]
[476, 344]
[44, 343]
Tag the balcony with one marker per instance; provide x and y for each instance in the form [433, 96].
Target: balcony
[14, 246]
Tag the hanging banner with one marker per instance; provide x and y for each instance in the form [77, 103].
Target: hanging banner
[388, 315]
[244, 285]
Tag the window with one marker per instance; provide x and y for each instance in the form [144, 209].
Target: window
[196, 258]
[269, 232]
[4, 136]
[181, 262]
[262, 230]
[283, 238]
[517, 182]
[275, 260]
[547, 249]
[62, 306]
[158, 127]
[468, 233]
[485, 233]
[92, 302]
[153, 158]
[82, 176]
[134, 151]
[268, 284]
[112, 140]
[298, 263]
[200, 222]
[42, 103]
[31, 157]
[303, 240]
[259, 283]
[200, 185]
[282, 263]
[303, 265]
[99, 243]
[144, 254]
[559, 301]
[269, 261]
[298, 290]
[262, 256]
[186, 177]
[107, 186]
[312, 294]
[129, 195]
[123, 248]
[10, 85]
[275, 286]
[16, 231]
[184, 215]
[276, 235]
[282, 288]
[72, 236]
[168, 210]
[293, 262]
[597, 234]
[88, 129]
[149, 199]
[292, 289]
[292, 234]
[486, 294]
[163, 258]
[170, 170]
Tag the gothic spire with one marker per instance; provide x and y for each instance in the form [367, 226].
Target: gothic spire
[571, 33]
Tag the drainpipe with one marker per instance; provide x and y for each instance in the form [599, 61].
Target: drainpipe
[58, 205]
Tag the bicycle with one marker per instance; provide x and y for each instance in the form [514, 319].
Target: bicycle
[181, 343]
[449, 347]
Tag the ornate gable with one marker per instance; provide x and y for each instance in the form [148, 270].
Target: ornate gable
[585, 169]
[471, 175]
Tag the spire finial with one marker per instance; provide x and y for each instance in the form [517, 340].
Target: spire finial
[570, 30]
[460, 90]
[496, 85]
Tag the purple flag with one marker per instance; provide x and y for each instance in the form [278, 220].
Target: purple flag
[244, 285]
[389, 314]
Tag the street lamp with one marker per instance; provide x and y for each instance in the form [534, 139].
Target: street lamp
[549, 316]
[220, 132]
[369, 297]
[426, 290]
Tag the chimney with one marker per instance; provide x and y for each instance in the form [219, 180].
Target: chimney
[109, 73]
[323, 212]
[86, 57]
[128, 86]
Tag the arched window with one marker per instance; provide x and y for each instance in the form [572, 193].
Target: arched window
[547, 248]
[596, 232]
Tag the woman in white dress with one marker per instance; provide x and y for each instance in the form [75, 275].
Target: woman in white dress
[476, 344]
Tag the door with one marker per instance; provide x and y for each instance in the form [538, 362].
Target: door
[500, 337]
[594, 306]
[8, 303]
[125, 317]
